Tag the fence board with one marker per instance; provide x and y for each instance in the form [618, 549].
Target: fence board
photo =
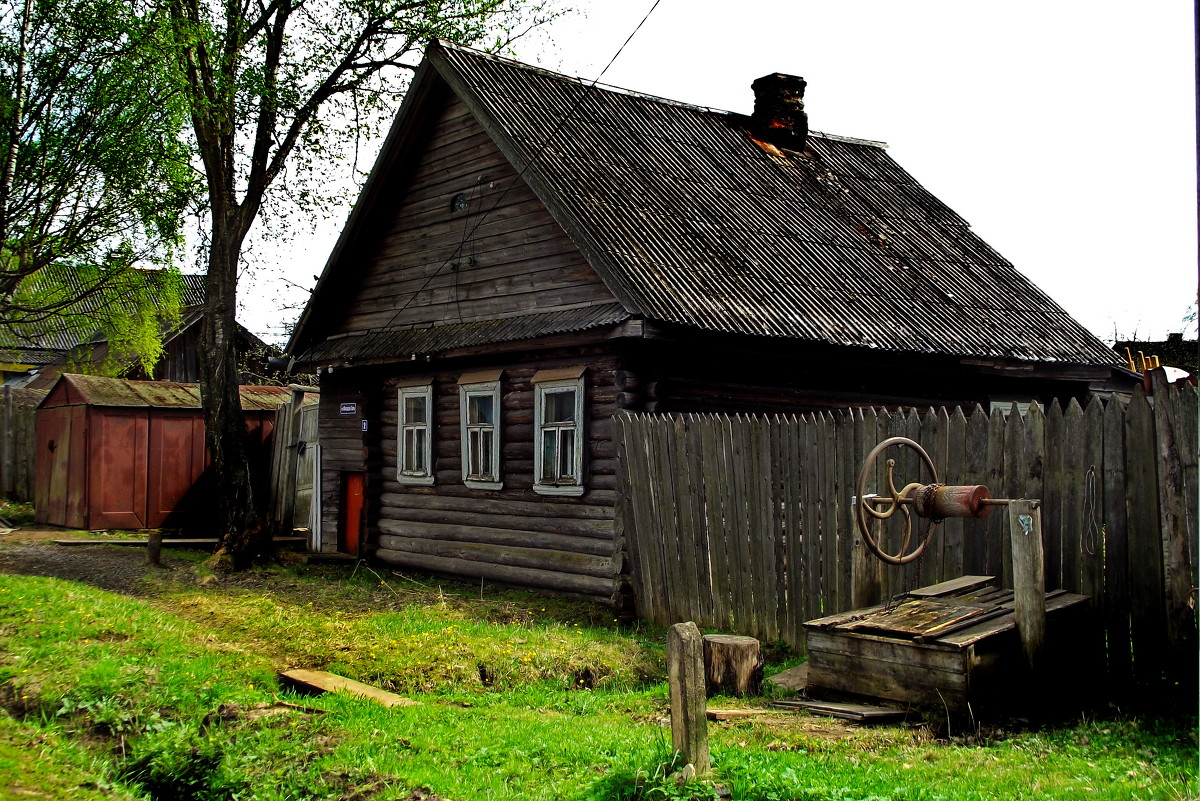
[1055, 444]
[1181, 631]
[975, 452]
[1148, 620]
[678, 501]
[766, 602]
[846, 474]
[1075, 468]
[957, 472]
[714, 511]
[1116, 547]
[1091, 508]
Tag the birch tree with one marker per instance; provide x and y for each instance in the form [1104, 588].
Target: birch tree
[94, 178]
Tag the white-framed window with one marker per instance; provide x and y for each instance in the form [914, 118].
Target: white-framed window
[479, 412]
[414, 435]
[559, 434]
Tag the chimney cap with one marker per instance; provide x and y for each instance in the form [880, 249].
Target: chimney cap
[780, 80]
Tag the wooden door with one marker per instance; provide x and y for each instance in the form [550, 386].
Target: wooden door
[352, 512]
[306, 468]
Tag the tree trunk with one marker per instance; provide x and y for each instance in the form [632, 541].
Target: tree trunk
[242, 537]
[733, 665]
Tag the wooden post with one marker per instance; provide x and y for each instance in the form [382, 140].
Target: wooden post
[685, 675]
[154, 548]
[866, 571]
[1029, 601]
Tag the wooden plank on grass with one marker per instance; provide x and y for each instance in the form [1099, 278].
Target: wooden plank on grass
[321, 682]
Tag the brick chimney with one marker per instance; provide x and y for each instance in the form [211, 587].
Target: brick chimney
[779, 116]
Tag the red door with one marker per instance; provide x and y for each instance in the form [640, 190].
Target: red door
[352, 512]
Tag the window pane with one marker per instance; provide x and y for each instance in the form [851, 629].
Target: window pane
[566, 456]
[559, 407]
[414, 409]
[420, 436]
[486, 470]
[410, 450]
[480, 410]
[549, 441]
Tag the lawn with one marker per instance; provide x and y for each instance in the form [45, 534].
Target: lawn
[170, 692]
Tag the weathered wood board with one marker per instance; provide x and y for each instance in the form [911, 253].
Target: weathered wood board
[321, 682]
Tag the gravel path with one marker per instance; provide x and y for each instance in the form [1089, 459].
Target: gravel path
[109, 567]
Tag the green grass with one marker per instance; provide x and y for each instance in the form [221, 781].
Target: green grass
[174, 696]
[16, 513]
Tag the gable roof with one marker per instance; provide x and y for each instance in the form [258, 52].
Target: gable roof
[46, 343]
[691, 221]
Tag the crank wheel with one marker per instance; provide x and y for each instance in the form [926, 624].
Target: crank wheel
[866, 511]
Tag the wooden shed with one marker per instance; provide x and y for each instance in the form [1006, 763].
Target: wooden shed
[531, 256]
[114, 453]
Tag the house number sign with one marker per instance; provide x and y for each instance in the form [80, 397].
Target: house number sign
[349, 408]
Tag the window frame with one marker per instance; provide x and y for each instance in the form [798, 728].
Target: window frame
[424, 391]
[466, 391]
[541, 390]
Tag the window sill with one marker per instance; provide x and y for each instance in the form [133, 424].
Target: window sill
[483, 485]
[551, 489]
[421, 481]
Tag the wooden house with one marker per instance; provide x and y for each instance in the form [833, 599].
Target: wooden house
[530, 255]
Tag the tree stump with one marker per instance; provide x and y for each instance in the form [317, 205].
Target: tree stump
[732, 665]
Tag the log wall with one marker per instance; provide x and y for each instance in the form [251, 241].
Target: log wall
[513, 535]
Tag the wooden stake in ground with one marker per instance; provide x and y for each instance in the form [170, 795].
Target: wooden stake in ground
[1029, 583]
[733, 665]
[685, 674]
[154, 548]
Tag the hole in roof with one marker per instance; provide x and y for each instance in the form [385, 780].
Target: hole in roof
[459, 202]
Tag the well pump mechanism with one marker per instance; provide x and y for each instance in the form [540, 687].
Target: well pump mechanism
[934, 502]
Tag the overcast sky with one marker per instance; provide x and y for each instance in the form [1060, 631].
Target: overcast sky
[1062, 130]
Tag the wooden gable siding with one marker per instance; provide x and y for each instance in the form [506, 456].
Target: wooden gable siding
[512, 535]
[503, 254]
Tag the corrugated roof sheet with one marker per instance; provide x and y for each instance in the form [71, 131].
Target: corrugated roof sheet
[398, 344]
[102, 391]
[45, 342]
[698, 224]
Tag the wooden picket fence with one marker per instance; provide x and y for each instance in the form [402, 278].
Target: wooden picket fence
[745, 523]
[17, 440]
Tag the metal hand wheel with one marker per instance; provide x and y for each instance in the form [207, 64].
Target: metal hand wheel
[866, 510]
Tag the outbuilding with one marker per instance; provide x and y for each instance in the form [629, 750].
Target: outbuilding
[114, 453]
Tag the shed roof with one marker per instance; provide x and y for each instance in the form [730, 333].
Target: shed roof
[690, 220]
[73, 389]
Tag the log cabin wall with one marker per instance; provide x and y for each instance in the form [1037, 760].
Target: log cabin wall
[706, 376]
[468, 241]
[342, 448]
[512, 535]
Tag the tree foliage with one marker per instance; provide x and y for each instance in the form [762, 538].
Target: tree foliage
[94, 178]
[277, 91]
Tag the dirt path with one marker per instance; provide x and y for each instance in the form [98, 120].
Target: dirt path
[31, 552]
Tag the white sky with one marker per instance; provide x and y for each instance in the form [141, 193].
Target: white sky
[1062, 130]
